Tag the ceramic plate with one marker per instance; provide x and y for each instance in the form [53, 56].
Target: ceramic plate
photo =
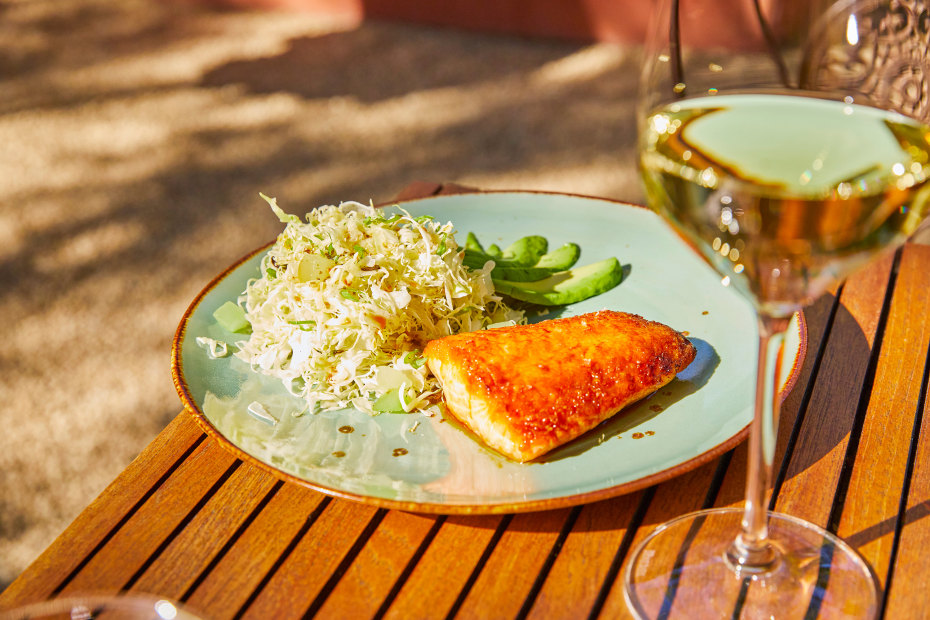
[434, 465]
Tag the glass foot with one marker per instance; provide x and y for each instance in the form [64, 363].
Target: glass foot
[682, 570]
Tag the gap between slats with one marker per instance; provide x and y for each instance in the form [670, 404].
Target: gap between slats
[906, 485]
[346, 562]
[232, 541]
[868, 384]
[183, 523]
[547, 565]
[473, 577]
[129, 514]
[311, 519]
[408, 569]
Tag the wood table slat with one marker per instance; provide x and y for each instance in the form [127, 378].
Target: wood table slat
[587, 556]
[132, 546]
[177, 567]
[521, 553]
[98, 520]
[908, 596]
[442, 572]
[230, 584]
[304, 574]
[366, 584]
[875, 487]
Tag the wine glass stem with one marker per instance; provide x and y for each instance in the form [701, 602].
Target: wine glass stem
[751, 550]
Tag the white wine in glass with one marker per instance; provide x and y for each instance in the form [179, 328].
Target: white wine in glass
[788, 152]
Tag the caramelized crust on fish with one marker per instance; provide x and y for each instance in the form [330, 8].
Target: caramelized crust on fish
[527, 389]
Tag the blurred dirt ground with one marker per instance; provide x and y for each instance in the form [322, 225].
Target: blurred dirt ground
[136, 135]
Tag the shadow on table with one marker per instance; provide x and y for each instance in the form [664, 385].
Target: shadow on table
[820, 413]
[888, 526]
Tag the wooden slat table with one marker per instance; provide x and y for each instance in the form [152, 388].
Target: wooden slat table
[188, 521]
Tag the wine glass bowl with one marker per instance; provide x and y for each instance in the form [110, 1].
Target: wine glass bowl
[784, 193]
[789, 153]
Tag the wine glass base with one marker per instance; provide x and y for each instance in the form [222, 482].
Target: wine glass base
[681, 570]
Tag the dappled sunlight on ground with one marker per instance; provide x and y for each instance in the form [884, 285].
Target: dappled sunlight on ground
[137, 136]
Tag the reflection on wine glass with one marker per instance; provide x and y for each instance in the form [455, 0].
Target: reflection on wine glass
[789, 155]
[101, 606]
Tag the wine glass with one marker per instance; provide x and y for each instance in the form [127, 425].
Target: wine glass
[785, 140]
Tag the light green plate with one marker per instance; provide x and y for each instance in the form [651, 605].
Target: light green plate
[425, 464]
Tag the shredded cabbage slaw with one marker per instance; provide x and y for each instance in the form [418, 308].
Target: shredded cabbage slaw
[348, 299]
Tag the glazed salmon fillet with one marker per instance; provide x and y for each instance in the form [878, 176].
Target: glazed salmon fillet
[527, 389]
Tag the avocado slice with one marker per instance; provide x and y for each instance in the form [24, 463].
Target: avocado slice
[476, 259]
[559, 260]
[525, 251]
[521, 274]
[472, 243]
[514, 269]
[504, 269]
[565, 287]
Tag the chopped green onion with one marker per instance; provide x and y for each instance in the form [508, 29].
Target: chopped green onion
[414, 360]
[380, 219]
[423, 218]
[305, 326]
[441, 248]
[349, 294]
[360, 250]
